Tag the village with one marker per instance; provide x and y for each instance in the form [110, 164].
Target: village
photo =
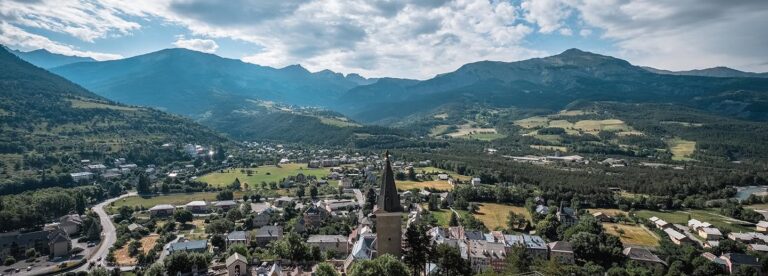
[328, 205]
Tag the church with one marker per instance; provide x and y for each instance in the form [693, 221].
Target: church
[388, 214]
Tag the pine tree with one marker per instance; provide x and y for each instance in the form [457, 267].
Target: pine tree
[454, 220]
[143, 185]
[80, 203]
[417, 250]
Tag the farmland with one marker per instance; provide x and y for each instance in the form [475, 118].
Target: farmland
[496, 215]
[442, 185]
[260, 174]
[609, 212]
[632, 234]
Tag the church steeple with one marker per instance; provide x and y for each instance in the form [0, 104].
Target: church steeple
[389, 200]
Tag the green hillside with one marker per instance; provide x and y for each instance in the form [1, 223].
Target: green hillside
[49, 124]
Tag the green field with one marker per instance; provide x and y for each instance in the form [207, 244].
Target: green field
[261, 174]
[338, 121]
[711, 216]
[442, 185]
[173, 199]
[98, 105]
[483, 136]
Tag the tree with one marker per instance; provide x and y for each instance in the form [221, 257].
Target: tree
[518, 261]
[183, 216]
[326, 269]
[417, 250]
[454, 221]
[239, 249]
[292, 247]
[236, 185]
[220, 226]
[94, 231]
[126, 212]
[133, 248]
[300, 191]
[366, 268]
[156, 269]
[143, 185]
[449, 261]
[434, 202]
[382, 265]
[80, 204]
[234, 214]
[313, 191]
[225, 195]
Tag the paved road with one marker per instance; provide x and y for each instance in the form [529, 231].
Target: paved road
[360, 197]
[108, 232]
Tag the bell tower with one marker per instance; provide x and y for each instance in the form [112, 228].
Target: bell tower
[388, 214]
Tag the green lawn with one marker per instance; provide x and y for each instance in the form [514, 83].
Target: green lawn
[443, 216]
[483, 136]
[263, 173]
[711, 216]
[430, 170]
[173, 199]
[495, 215]
[681, 149]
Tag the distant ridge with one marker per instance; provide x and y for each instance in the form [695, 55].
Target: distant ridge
[45, 59]
[716, 72]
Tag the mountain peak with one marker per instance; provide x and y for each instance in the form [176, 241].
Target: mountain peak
[295, 68]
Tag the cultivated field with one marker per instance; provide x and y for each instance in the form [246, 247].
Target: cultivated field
[260, 174]
[582, 126]
[173, 199]
[97, 105]
[633, 234]
[438, 130]
[496, 215]
[711, 216]
[434, 184]
[552, 148]
[681, 149]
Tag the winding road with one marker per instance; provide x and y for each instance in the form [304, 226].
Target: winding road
[108, 233]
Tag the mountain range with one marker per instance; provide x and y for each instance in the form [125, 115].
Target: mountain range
[717, 72]
[44, 59]
[217, 91]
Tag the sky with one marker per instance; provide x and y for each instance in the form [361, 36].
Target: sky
[407, 38]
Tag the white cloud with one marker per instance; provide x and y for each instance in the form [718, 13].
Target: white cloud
[547, 14]
[566, 31]
[585, 32]
[13, 36]
[202, 45]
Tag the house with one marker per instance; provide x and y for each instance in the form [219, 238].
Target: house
[484, 255]
[225, 205]
[59, 243]
[566, 215]
[676, 237]
[197, 206]
[695, 224]
[475, 181]
[363, 249]
[237, 265]
[601, 217]
[162, 210]
[662, 224]
[71, 223]
[189, 246]
[334, 243]
[240, 237]
[710, 233]
[443, 176]
[81, 176]
[314, 216]
[542, 209]
[644, 257]
[134, 227]
[534, 245]
[346, 182]
[762, 248]
[96, 167]
[267, 234]
[261, 218]
[735, 262]
[282, 201]
[761, 226]
[712, 258]
[561, 251]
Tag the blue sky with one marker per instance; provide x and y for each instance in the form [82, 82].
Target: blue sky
[397, 38]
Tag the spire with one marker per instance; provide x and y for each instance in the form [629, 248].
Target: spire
[389, 200]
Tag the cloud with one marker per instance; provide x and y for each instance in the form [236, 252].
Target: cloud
[16, 37]
[677, 35]
[202, 45]
[566, 31]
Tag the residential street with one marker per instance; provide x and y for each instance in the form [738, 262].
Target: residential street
[108, 233]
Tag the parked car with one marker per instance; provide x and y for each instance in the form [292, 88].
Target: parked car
[29, 268]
